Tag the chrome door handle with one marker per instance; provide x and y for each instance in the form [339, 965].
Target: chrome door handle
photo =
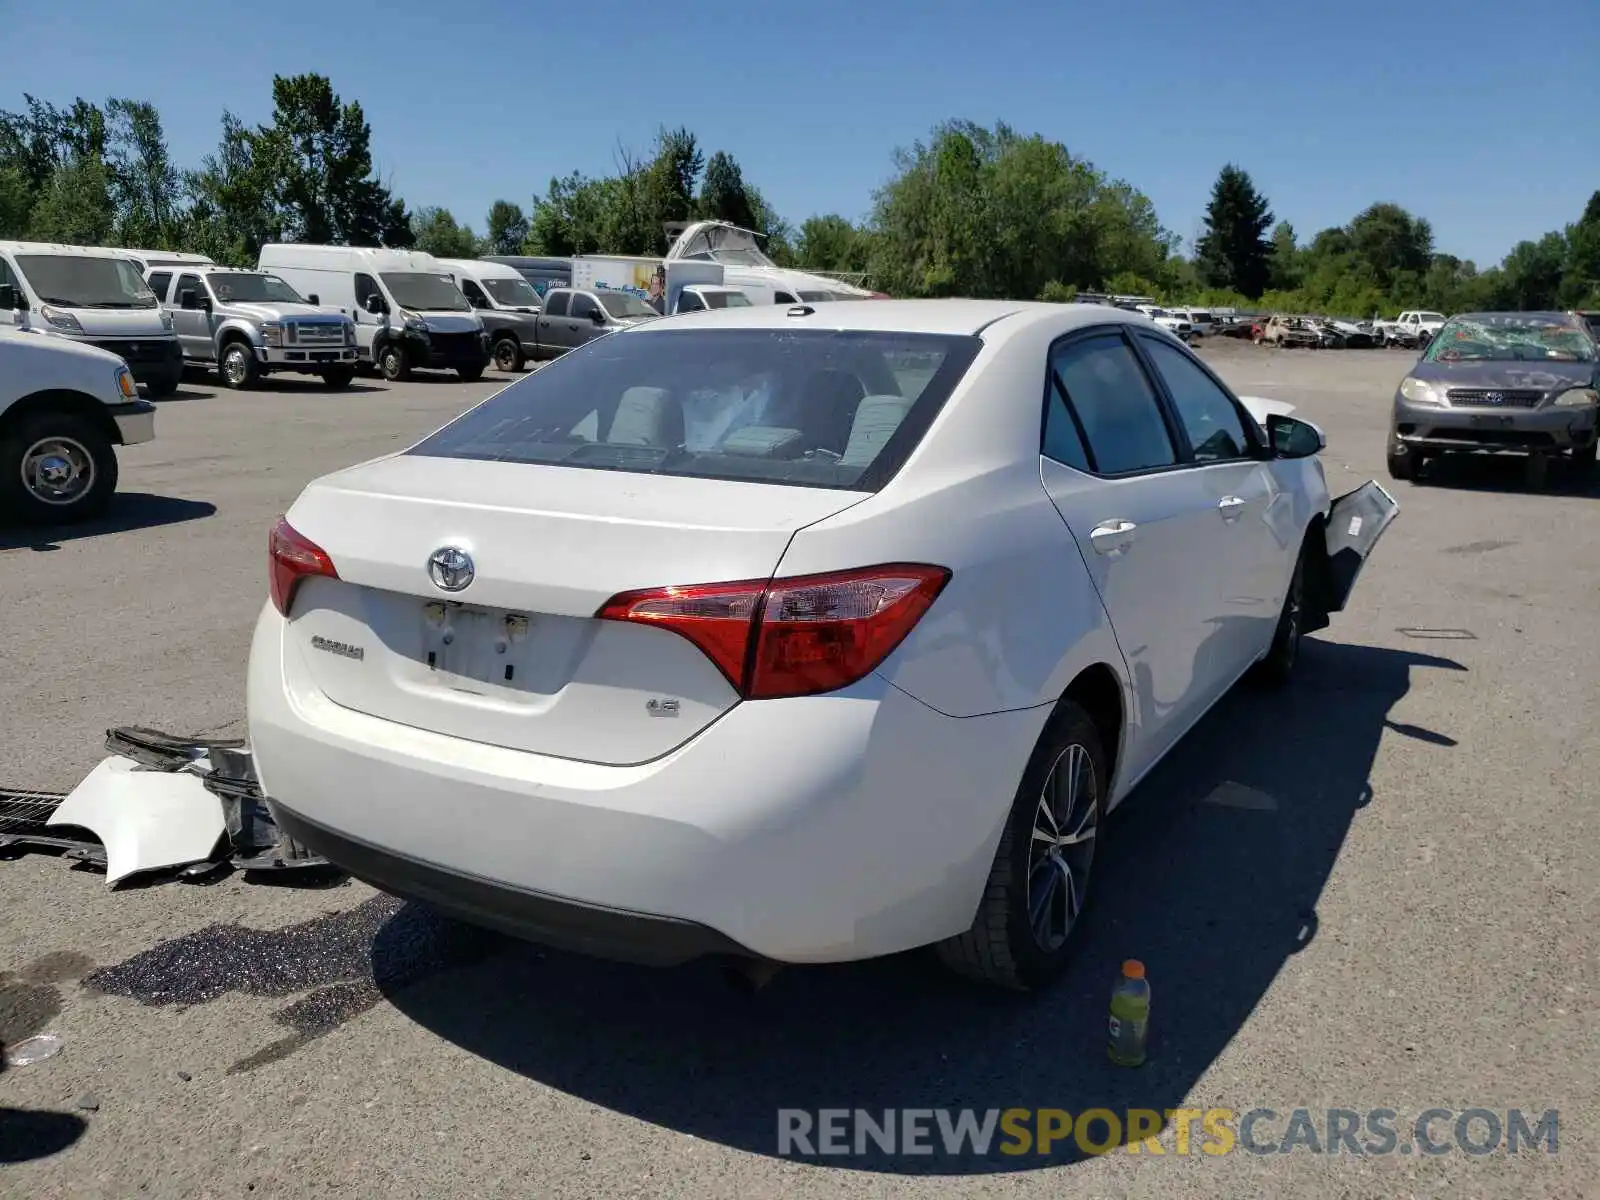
[1231, 507]
[1112, 537]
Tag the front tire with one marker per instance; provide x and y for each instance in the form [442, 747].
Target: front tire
[469, 374]
[159, 389]
[1403, 462]
[1277, 667]
[394, 364]
[339, 377]
[1027, 922]
[56, 468]
[1583, 460]
[238, 366]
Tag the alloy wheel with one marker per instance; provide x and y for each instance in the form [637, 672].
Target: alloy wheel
[1061, 852]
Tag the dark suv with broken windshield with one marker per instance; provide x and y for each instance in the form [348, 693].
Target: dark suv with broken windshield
[1493, 382]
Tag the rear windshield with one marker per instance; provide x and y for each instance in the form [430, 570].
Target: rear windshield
[812, 408]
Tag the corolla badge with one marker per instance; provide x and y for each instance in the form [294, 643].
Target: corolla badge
[450, 568]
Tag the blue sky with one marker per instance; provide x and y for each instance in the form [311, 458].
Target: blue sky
[1483, 117]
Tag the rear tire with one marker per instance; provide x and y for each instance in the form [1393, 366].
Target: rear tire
[1062, 793]
[508, 355]
[80, 457]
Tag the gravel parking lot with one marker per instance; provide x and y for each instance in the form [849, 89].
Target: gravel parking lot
[1374, 891]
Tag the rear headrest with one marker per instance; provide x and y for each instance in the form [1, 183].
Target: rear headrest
[877, 417]
[647, 416]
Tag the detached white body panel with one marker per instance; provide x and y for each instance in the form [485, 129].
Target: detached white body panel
[147, 820]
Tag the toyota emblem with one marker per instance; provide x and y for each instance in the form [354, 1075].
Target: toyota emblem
[1495, 398]
[451, 569]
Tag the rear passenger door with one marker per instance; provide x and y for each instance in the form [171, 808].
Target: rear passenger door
[555, 323]
[1253, 512]
[193, 325]
[1114, 466]
[581, 323]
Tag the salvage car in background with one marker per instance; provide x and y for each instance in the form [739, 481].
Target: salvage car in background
[845, 629]
[1492, 382]
[1287, 332]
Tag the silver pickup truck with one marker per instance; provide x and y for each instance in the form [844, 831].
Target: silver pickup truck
[572, 317]
[247, 324]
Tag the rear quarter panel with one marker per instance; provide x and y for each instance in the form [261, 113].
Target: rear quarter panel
[1020, 617]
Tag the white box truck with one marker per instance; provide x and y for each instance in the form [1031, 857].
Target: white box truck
[408, 311]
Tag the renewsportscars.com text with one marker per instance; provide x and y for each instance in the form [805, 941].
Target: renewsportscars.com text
[975, 1133]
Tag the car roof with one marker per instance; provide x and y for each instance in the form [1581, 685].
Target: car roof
[967, 317]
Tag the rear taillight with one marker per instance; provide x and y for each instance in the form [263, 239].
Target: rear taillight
[291, 557]
[796, 636]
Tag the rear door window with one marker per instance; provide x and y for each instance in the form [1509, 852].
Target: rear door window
[158, 283]
[1103, 386]
[812, 408]
[555, 303]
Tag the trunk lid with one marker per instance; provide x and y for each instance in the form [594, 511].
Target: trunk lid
[516, 658]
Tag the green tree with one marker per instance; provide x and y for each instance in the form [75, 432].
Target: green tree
[1234, 252]
[507, 228]
[831, 243]
[146, 188]
[1392, 242]
[75, 206]
[231, 213]
[1287, 268]
[1534, 271]
[722, 192]
[435, 231]
[317, 155]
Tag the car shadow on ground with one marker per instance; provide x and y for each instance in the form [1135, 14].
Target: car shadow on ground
[129, 511]
[1504, 474]
[1210, 874]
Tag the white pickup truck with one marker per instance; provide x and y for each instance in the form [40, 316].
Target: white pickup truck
[1411, 328]
[64, 407]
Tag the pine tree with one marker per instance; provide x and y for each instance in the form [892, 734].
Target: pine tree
[1234, 252]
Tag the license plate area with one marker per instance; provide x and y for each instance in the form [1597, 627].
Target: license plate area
[477, 650]
[1490, 421]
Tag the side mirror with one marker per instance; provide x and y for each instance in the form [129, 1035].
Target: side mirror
[314, 298]
[188, 299]
[598, 316]
[1294, 438]
[8, 297]
[375, 305]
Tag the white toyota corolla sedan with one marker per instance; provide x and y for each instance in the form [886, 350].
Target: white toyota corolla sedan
[792, 634]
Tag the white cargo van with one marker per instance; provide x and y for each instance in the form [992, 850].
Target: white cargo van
[95, 296]
[408, 311]
[147, 260]
[507, 304]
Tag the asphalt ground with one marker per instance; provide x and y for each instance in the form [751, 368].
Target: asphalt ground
[1375, 891]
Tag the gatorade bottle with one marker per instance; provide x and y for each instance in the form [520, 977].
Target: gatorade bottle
[1130, 1016]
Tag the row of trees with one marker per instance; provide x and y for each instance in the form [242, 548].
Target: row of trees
[971, 211]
